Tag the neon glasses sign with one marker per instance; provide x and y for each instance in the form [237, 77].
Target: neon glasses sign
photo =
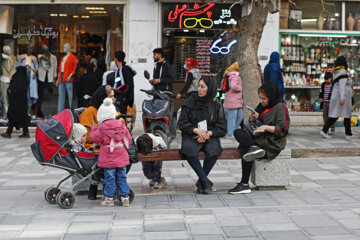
[215, 49]
[205, 16]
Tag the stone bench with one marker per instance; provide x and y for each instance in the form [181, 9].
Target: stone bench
[274, 174]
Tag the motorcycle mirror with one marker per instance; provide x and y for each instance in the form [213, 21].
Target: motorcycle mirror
[146, 74]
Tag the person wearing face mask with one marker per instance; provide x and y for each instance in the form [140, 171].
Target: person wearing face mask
[267, 140]
[67, 68]
[202, 123]
[8, 69]
[191, 79]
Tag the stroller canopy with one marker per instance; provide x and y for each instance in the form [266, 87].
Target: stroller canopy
[51, 136]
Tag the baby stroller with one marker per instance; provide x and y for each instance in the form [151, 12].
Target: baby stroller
[52, 148]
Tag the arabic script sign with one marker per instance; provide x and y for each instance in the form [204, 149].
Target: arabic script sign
[203, 16]
[46, 32]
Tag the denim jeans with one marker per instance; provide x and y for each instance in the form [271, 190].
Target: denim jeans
[115, 177]
[234, 119]
[63, 88]
[152, 170]
[202, 171]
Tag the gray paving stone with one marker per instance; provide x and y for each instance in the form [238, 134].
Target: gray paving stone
[87, 236]
[351, 223]
[89, 227]
[284, 235]
[336, 237]
[9, 235]
[197, 212]
[166, 235]
[272, 217]
[208, 237]
[244, 231]
[120, 231]
[232, 221]
[211, 204]
[321, 231]
[194, 219]
[275, 226]
[164, 225]
[204, 228]
[46, 234]
[315, 221]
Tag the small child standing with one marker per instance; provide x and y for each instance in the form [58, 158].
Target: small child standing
[115, 139]
[79, 133]
[325, 96]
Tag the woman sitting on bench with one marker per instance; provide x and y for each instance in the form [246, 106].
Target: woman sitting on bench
[267, 140]
[202, 122]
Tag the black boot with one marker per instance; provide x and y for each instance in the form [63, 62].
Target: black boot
[25, 135]
[205, 186]
[199, 187]
[6, 135]
[210, 183]
[92, 192]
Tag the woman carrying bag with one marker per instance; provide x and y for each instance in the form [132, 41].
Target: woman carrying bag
[268, 139]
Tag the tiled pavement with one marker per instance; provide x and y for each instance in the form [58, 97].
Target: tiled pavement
[323, 201]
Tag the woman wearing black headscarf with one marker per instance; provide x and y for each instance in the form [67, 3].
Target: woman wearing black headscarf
[267, 140]
[202, 122]
[87, 85]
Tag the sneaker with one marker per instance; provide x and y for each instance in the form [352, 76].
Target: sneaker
[325, 135]
[125, 201]
[152, 183]
[160, 185]
[349, 136]
[331, 131]
[254, 153]
[107, 202]
[239, 189]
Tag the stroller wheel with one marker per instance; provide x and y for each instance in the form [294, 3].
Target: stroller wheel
[65, 200]
[50, 194]
[131, 196]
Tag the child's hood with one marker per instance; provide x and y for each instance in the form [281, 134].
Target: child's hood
[114, 129]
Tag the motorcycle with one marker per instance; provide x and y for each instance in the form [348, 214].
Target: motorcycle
[158, 114]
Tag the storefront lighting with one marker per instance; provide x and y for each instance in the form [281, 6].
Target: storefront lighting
[75, 16]
[313, 20]
[354, 41]
[85, 16]
[95, 8]
[97, 12]
[185, 30]
[63, 15]
[202, 31]
[53, 14]
[337, 14]
[322, 35]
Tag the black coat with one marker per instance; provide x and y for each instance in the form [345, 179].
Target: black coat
[216, 122]
[18, 101]
[87, 86]
[166, 78]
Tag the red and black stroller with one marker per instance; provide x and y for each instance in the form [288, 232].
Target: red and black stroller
[52, 148]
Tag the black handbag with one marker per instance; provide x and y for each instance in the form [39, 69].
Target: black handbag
[133, 158]
[252, 126]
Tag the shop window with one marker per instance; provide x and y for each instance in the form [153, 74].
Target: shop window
[352, 12]
[308, 15]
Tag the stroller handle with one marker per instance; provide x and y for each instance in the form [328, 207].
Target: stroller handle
[126, 117]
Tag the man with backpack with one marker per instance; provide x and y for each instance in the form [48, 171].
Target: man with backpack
[233, 102]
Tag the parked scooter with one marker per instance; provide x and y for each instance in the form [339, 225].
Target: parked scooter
[158, 114]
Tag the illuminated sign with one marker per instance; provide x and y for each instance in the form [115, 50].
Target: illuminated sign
[47, 32]
[215, 49]
[201, 16]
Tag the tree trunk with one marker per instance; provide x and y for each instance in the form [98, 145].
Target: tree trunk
[250, 35]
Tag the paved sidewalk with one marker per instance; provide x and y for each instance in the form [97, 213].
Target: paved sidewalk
[323, 201]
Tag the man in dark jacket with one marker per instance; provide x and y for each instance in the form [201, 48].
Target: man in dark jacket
[124, 83]
[163, 74]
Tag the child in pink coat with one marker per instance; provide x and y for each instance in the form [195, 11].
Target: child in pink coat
[234, 103]
[115, 139]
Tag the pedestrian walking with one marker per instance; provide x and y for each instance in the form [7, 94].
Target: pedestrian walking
[273, 73]
[325, 96]
[340, 103]
[191, 79]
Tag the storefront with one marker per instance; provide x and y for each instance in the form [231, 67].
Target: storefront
[207, 32]
[310, 40]
[89, 28]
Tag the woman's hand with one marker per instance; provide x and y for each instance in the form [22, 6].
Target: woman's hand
[178, 96]
[264, 128]
[254, 116]
[342, 101]
[201, 133]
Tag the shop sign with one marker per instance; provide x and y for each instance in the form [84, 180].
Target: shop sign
[46, 32]
[205, 16]
[68, 37]
[215, 49]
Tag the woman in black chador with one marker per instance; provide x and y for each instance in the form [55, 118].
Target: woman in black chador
[202, 123]
[18, 107]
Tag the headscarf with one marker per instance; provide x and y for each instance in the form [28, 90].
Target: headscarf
[98, 97]
[192, 63]
[273, 93]
[194, 101]
[340, 63]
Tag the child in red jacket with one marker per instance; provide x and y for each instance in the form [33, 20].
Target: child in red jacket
[115, 139]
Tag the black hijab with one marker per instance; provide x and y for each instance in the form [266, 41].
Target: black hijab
[98, 97]
[273, 93]
[341, 61]
[194, 101]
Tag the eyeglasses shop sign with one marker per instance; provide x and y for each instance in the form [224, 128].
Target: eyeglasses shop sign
[201, 15]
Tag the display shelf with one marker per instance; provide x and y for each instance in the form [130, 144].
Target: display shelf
[317, 33]
[304, 87]
[295, 72]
